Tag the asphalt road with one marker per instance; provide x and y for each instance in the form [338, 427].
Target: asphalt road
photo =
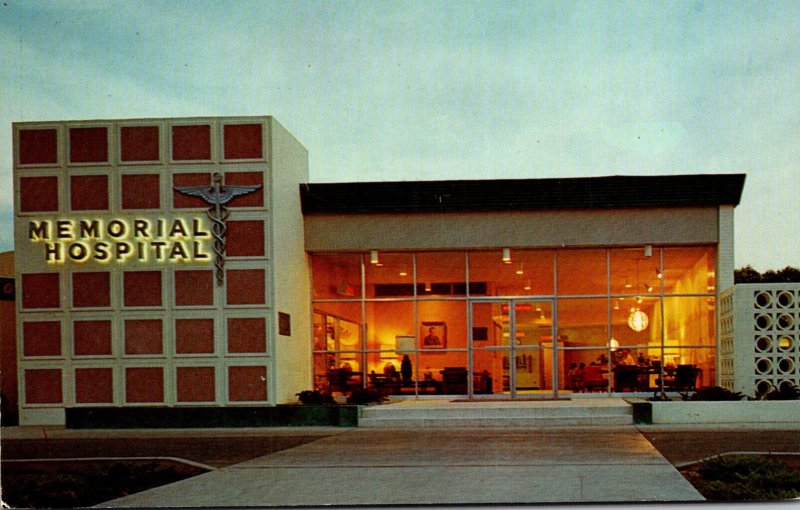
[213, 451]
[690, 445]
[677, 446]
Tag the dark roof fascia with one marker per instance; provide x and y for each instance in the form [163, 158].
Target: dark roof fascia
[697, 190]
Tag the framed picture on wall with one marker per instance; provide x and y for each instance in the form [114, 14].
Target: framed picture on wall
[433, 335]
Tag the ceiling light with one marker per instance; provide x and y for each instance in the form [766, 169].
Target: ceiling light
[373, 257]
[428, 286]
[648, 250]
[648, 287]
[527, 285]
[659, 275]
[519, 269]
[403, 271]
[507, 255]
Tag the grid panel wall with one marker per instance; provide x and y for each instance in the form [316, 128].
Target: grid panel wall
[775, 335]
[133, 165]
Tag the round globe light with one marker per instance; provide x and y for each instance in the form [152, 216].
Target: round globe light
[638, 320]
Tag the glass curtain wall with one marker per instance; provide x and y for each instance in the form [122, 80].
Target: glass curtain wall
[627, 320]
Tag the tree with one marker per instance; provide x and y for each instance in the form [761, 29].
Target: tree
[746, 275]
[749, 275]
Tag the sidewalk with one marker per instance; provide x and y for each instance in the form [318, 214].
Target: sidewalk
[444, 467]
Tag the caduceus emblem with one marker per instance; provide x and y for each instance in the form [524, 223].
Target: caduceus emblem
[218, 195]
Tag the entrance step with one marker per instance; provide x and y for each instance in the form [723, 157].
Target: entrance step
[505, 414]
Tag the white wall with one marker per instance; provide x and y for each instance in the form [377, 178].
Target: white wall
[291, 275]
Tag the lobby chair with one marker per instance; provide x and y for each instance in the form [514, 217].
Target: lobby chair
[454, 380]
[337, 380]
[593, 379]
[684, 380]
[482, 383]
[626, 378]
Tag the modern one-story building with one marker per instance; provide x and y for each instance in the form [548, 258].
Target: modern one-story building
[189, 262]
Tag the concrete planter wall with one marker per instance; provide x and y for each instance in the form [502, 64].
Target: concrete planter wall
[212, 417]
[678, 412]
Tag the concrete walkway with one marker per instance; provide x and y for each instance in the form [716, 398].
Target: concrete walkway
[443, 467]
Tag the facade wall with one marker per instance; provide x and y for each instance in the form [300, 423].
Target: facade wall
[131, 313]
[512, 229]
[761, 323]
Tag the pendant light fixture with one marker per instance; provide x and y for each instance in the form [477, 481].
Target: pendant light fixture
[638, 320]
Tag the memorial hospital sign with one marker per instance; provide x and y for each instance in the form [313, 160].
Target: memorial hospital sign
[178, 239]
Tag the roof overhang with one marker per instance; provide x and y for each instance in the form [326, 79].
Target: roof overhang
[698, 190]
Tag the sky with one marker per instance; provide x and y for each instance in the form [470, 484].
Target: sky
[434, 90]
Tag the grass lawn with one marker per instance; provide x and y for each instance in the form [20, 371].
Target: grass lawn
[72, 484]
[746, 478]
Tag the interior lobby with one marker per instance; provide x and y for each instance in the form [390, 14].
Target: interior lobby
[622, 319]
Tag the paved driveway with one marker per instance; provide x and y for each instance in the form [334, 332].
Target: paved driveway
[443, 466]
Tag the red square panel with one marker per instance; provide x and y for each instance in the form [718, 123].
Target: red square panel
[247, 335]
[41, 290]
[94, 385]
[194, 288]
[139, 143]
[91, 338]
[142, 288]
[247, 383]
[182, 201]
[38, 146]
[88, 192]
[243, 141]
[245, 238]
[195, 384]
[38, 194]
[144, 384]
[245, 286]
[190, 143]
[141, 191]
[194, 336]
[43, 386]
[143, 336]
[88, 145]
[254, 199]
[91, 289]
[42, 338]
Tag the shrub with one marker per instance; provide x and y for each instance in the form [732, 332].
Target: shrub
[714, 394]
[747, 478]
[365, 396]
[785, 392]
[315, 397]
[660, 397]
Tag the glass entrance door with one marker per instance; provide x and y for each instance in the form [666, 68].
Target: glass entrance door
[511, 348]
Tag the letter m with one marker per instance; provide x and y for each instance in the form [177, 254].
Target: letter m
[38, 230]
